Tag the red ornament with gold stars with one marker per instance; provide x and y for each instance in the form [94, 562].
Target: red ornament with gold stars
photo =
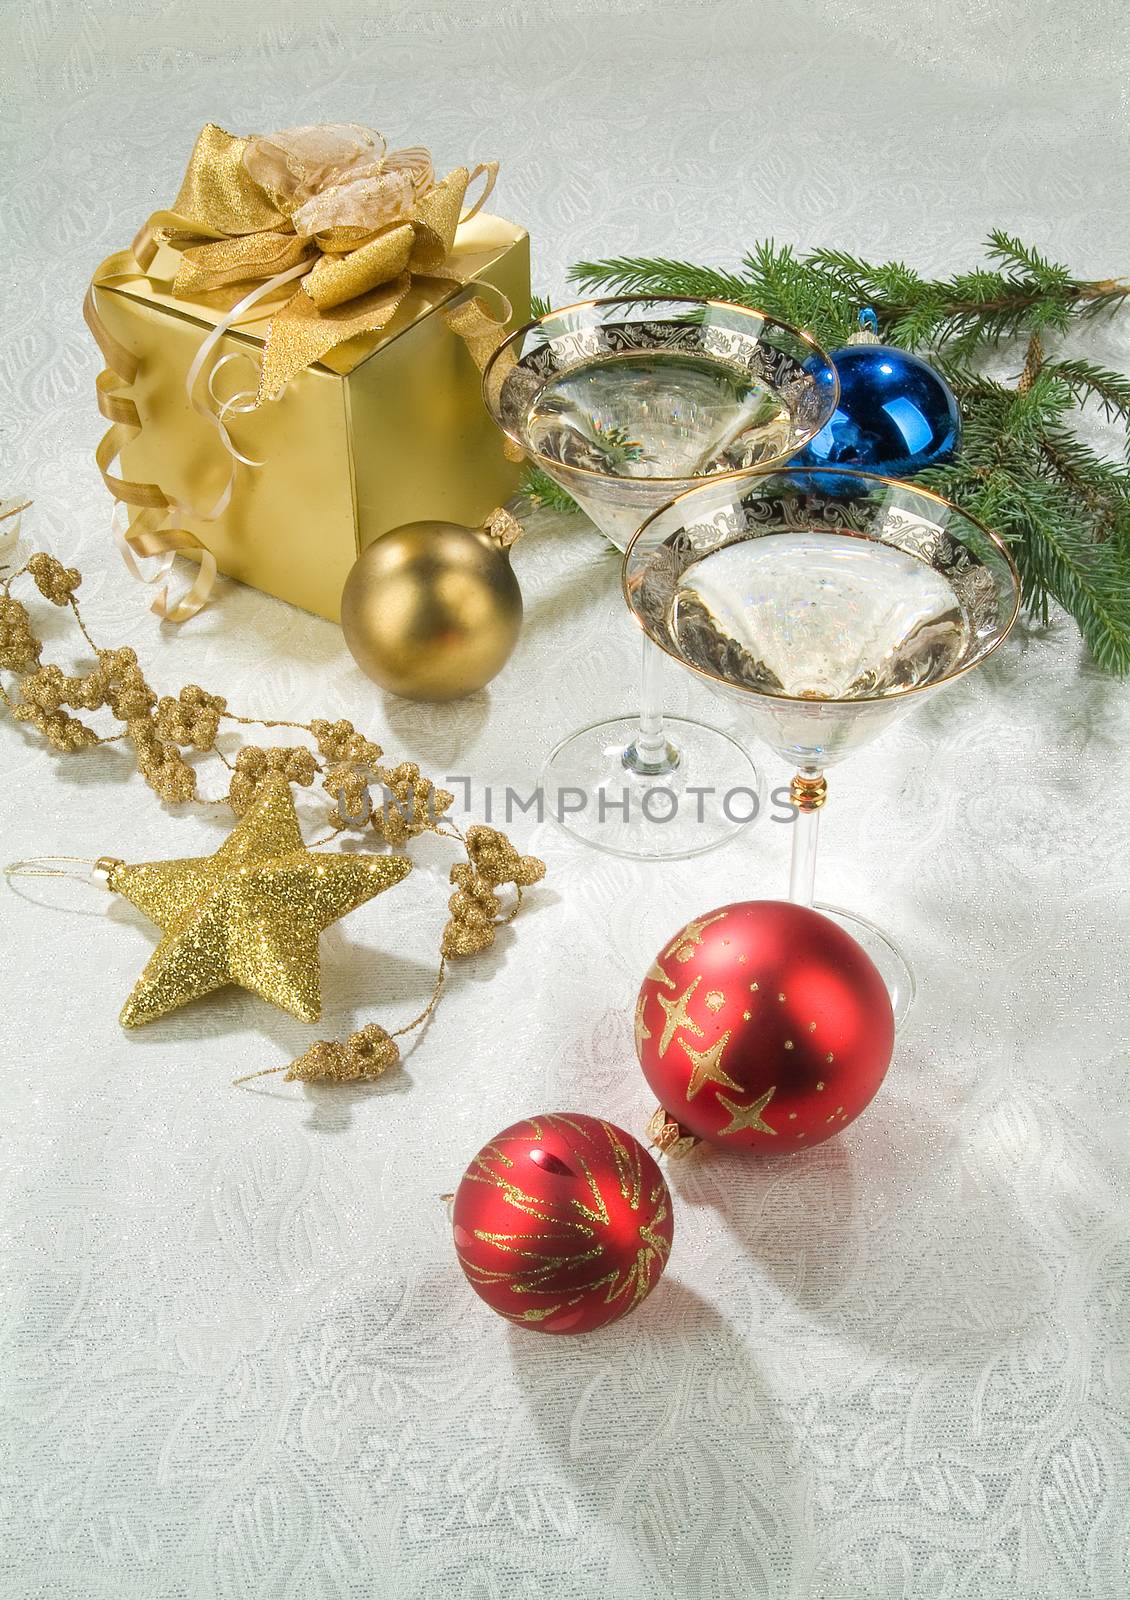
[563, 1223]
[761, 1026]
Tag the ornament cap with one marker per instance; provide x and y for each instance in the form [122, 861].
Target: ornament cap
[669, 1137]
[503, 529]
[868, 330]
[103, 870]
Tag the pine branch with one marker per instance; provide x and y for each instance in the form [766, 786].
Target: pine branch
[1089, 382]
[1026, 263]
[539, 489]
[1103, 487]
[1088, 579]
[658, 276]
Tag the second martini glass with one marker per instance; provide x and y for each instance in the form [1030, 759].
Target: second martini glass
[826, 602]
[627, 402]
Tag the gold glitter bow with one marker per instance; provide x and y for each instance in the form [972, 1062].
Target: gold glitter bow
[327, 208]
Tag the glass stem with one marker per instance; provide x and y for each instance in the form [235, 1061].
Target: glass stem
[650, 754]
[807, 793]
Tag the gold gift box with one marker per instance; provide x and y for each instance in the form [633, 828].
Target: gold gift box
[387, 428]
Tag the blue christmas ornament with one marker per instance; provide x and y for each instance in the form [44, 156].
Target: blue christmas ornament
[896, 415]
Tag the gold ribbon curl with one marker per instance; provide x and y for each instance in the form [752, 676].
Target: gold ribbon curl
[242, 216]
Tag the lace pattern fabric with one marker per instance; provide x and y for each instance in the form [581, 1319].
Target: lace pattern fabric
[237, 1357]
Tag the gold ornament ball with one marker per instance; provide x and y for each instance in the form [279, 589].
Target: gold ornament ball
[432, 610]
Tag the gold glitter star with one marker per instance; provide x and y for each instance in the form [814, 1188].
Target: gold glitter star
[687, 940]
[678, 1017]
[748, 1117]
[656, 973]
[250, 914]
[707, 1066]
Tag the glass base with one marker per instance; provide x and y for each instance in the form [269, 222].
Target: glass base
[713, 792]
[894, 969]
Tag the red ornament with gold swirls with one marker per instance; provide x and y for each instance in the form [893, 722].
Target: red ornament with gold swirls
[563, 1223]
[761, 1026]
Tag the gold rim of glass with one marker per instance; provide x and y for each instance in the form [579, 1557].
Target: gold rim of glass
[832, 700]
[770, 465]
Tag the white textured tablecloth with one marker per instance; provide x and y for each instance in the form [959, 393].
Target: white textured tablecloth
[237, 1357]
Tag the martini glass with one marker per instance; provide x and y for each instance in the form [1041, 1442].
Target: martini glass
[827, 603]
[625, 403]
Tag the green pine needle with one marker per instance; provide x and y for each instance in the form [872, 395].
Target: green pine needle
[539, 489]
[657, 277]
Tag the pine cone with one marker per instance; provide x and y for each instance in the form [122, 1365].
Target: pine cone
[19, 648]
[115, 662]
[473, 907]
[340, 741]
[415, 807]
[44, 689]
[54, 581]
[164, 769]
[89, 692]
[192, 719]
[61, 731]
[348, 786]
[365, 1055]
[128, 695]
[253, 765]
[496, 859]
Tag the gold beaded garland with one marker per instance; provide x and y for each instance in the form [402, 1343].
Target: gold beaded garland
[159, 730]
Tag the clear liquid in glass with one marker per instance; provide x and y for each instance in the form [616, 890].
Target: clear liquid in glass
[818, 614]
[658, 414]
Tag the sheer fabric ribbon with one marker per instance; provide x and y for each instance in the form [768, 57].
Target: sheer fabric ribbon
[326, 208]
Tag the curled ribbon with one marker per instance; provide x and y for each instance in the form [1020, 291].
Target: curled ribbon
[327, 208]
